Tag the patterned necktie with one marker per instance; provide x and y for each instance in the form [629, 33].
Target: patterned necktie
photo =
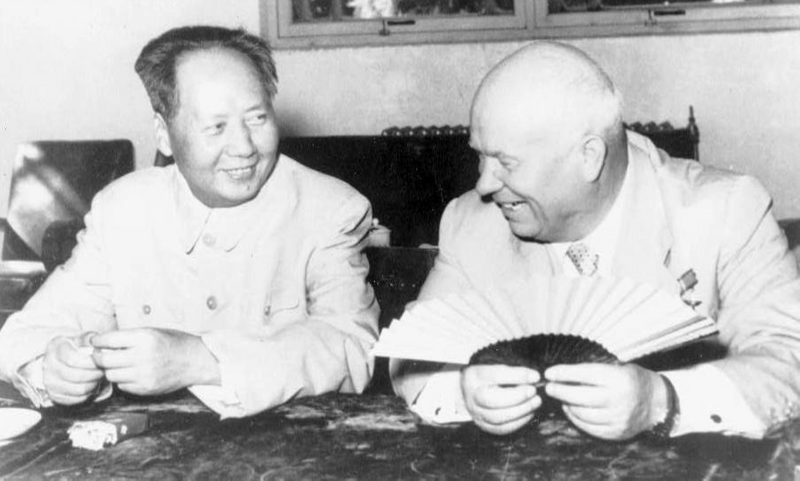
[585, 261]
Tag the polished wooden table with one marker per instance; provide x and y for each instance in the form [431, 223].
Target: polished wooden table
[367, 437]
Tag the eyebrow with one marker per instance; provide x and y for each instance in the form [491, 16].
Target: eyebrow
[495, 153]
[257, 107]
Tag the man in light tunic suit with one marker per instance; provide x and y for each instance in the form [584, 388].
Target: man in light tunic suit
[557, 167]
[235, 272]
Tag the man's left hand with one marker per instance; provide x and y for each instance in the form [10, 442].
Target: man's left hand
[149, 361]
[608, 401]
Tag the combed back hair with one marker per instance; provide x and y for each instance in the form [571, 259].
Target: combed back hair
[158, 61]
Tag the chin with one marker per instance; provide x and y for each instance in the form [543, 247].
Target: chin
[525, 232]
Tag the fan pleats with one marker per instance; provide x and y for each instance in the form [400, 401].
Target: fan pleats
[625, 318]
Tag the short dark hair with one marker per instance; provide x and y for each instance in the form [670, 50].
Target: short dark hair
[157, 62]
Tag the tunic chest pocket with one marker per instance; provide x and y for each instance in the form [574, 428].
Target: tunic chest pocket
[143, 312]
[141, 306]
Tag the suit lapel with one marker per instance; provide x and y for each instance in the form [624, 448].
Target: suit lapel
[645, 241]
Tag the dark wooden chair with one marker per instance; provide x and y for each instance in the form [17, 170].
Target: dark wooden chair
[52, 184]
[55, 180]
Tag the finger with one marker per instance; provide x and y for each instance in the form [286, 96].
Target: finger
[495, 397]
[61, 387]
[66, 399]
[122, 376]
[506, 428]
[66, 353]
[587, 416]
[578, 394]
[592, 374]
[500, 417]
[74, 376]
[114, 358]
[598, 430]
[505, 375]
[117, 339]
[78, 360]
[85, 339]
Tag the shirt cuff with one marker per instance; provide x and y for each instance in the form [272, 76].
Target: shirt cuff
[220, 399]
[30, 382]
[440, 401]
[710, 402]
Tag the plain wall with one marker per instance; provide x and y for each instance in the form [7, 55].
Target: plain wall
[67, 73]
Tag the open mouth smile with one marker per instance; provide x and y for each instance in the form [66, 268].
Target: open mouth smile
[241, 173]
[510, 206]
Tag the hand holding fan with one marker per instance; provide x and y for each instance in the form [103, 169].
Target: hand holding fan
[542, 321]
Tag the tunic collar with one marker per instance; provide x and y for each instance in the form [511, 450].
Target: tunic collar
[218, 228]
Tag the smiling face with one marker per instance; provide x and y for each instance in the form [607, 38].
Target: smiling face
[531, 166]
[224, 135]
[546, 125]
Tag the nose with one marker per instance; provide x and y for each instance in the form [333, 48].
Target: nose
[489, 181]
[240, 141]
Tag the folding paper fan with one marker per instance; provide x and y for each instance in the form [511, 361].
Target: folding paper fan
[542, 321]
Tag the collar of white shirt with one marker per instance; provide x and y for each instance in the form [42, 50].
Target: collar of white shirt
[601, 241]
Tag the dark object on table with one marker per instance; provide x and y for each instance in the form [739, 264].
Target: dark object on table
[107, 430]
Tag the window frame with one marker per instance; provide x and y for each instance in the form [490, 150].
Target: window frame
[277, 27]
[675, 18]
[531, 21]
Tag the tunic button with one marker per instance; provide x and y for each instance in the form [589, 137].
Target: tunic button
[209, 240]
[146, 309]
[211, 302]
[716, 418]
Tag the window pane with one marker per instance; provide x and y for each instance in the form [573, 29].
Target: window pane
[339, 10]
[571, 6]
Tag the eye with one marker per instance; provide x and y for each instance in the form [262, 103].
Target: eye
[215, 129]
[259, 119]
[507, 163]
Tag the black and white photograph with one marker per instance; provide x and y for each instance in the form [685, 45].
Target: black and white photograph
[400, 239]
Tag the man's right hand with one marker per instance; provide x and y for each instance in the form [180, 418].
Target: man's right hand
[500, 399]
[69, 373]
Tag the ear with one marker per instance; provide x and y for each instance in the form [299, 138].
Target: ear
[162, 135]
[594, 152]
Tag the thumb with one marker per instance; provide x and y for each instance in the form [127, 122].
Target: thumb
[85, 339]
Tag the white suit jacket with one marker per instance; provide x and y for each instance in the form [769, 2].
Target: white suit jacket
[681, 215]
[276, 287]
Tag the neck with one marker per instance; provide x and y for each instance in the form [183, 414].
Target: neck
[604, 191]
